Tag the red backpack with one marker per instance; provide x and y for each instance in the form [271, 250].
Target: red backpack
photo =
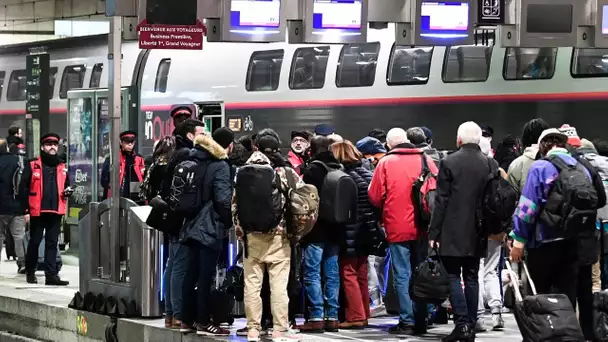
[423, 195]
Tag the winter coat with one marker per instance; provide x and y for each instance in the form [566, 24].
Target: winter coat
[13, 204]
[519, 168]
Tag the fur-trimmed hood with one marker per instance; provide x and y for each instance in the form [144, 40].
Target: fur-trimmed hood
[204, 144]
[258, 157]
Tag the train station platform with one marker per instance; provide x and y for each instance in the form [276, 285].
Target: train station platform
[40, 313]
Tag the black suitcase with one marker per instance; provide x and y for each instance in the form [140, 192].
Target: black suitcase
[544, 317]
[600, 316]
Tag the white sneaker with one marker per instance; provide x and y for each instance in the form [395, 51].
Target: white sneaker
[285, 336]
[253, 335]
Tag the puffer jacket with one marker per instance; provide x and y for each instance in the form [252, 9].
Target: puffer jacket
[356, 236]
[519, 168]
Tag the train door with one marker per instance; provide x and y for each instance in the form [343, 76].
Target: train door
[212, 114]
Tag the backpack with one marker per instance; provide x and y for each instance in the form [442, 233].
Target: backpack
[572, 203]
[187, 185]
[302, 203]
[338, 197]
[499, 202]
[259, 203]
[17, 176]
[423, 195]
[600, 163]
[435, 155]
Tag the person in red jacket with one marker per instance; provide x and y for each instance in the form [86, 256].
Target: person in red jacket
[132, 169]
[391, 190]
[49, 190]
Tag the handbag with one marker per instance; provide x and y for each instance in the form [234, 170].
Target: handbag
[162, 218]
[430, 282]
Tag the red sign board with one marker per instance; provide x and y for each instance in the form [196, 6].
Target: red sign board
[176, 37]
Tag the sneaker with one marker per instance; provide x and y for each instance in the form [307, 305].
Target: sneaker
[168, 322]
[401, 329]
[285, 336]
[211, 330]
[253, 335]
[293, 327]
[31, 278]
[377, 311]
[186, 328]
[498, 322]
[21, 270]
[479, 326]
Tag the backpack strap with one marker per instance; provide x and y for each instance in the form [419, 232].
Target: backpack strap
[558, 162]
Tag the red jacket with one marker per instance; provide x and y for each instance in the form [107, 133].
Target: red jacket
[295, 161]
[36, 190]
[139, 166]
[391, 190]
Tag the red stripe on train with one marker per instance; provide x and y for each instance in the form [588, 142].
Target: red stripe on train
[580, 96]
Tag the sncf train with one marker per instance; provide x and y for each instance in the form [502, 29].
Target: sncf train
[355, 87]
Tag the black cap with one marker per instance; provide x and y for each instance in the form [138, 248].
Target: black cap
[302, 134]
[128, 135]
[50, 138]
[181, 111]
[223, 136]
[268, 144]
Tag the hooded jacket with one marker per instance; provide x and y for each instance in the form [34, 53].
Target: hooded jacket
[217, 188]
[315, 175]
[519, 168]
[391, 191]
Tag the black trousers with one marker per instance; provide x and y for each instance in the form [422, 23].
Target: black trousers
[464, 303]
[554, 267]
[584, 297]
[49, 226]
[202, 262]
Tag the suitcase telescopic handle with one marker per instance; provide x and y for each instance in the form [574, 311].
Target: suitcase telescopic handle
[515, 280]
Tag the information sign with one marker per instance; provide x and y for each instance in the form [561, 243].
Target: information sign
[37, 85]
[491, 12]
[177, 37]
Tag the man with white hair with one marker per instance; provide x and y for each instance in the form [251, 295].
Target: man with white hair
[454, 225]
[391, 190]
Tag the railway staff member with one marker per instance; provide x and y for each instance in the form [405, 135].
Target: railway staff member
[49, 190]
[132, 169]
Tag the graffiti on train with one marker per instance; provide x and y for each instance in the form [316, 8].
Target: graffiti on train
[158, 124]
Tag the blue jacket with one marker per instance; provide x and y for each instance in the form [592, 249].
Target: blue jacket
[542, 174]
[210, 226]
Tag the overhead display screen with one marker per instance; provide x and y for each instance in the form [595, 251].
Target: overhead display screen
[605, 19]
[337, 15]
[247, 14]
[444, 19]
[549, 18]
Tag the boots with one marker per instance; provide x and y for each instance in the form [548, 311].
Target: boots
[460, 334]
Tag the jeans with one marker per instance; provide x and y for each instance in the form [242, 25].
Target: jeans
[405, 256]
[319, 256]
[14, 225]
[173, 246]
[464, 304]
[202, 266]
[178, 263]
[489, 285]
[49, 226]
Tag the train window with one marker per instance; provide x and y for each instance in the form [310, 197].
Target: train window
[357, 65]
[2, 77]
[73, 78]
[409, 65]
[162, 75]
[466, 64]
[264, 70]
[16, 86]
[589, 63]
[308, 68]
[96, 75]
[52, 78]
[529, 63]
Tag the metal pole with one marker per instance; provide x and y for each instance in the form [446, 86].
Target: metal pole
[114, 85]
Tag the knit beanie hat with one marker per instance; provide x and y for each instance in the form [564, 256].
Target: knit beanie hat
[570, 132]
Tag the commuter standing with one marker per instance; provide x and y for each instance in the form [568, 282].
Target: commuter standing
[518, 170]
[14, 190]
[391, 190]
[455, 227]
[15, 139]
[298, 154]
[131, 169]
[49, 190]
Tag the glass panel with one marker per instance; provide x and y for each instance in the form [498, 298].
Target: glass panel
[80, 159]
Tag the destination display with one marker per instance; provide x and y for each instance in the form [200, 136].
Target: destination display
[37, 80]
[332, 15]
[444, 19]
[260, 14]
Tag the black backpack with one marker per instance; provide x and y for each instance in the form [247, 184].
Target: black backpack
[499, 202]
[572, 203]
[338, 196]
[259, 201]
[424, 191]
[187, 185]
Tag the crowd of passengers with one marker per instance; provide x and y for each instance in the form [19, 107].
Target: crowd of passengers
[339, 269]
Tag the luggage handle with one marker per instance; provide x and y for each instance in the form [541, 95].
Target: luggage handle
[515, 280]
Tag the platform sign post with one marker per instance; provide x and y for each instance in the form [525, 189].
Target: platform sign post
[328, 22]
[37, 90]
[542, 23]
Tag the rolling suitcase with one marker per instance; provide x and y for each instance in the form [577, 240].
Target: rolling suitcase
[544, 317]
